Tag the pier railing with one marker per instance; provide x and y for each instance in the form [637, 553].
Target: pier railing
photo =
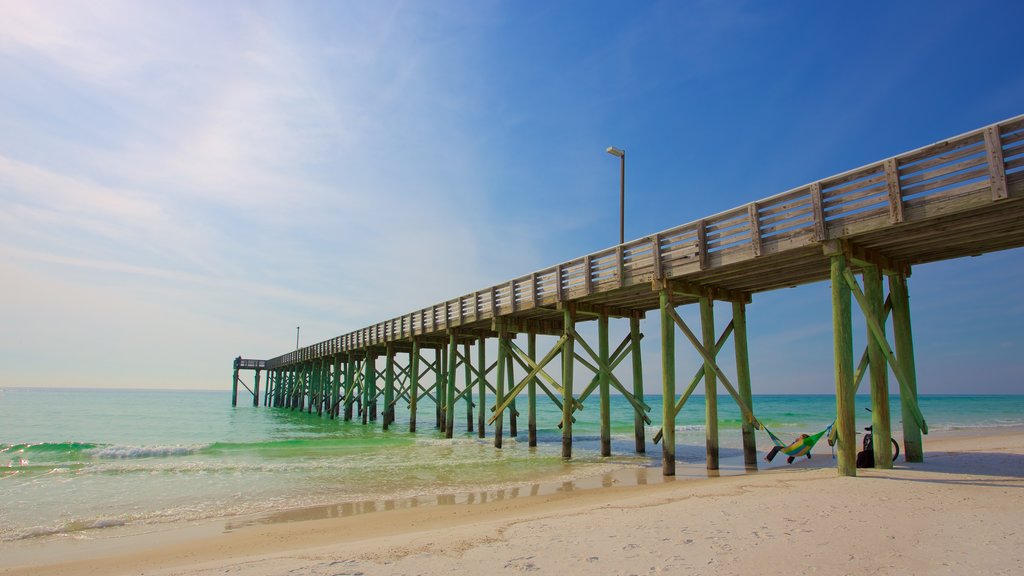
[962, 173]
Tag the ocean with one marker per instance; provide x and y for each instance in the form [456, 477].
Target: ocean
[75, 461]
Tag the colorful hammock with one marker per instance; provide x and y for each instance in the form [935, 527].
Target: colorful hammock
[801, 446]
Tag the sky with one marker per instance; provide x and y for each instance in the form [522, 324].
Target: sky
[186, 182]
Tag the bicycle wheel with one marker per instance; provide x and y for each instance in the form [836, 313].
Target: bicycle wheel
[895, 449]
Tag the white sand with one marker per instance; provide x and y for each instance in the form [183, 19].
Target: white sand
[960, 512]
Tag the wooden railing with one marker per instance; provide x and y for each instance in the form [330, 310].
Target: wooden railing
[942, 178]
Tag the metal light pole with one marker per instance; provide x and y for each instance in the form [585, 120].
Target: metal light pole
[296, 337]
[622, 190]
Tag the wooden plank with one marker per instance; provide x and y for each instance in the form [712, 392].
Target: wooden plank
[963, 152]
[892, 178]
[972, 162]
[878, 200]
[913, 190]
[941, 147]
[836, 194]
[996, 171]
[833, 204]
[771, 231]
[820, 230]
[837, 184]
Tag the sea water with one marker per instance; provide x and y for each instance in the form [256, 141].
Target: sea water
[73, 461]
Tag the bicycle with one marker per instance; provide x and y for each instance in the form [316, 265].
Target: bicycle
[866, 458]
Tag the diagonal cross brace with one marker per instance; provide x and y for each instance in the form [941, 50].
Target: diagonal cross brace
[698, 377]
[535, 369]
[879, 335]
[638, 405]
[747, 413]
[862, 366]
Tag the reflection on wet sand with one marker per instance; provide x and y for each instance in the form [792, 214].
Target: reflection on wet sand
[640, 476]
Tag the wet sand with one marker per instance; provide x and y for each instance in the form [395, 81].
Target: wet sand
[959, 512]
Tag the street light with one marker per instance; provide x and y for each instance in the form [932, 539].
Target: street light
[296, 337]
[622, 190]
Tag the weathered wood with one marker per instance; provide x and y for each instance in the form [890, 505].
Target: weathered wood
[467, 391]
[499, 394]
[604, 385]
[707, 322]
[881, 425]
[668, 386]
[531, 393]
[903, 335]
[842, 338]
[996, 172]
[568, 352]
[702, 244]
[481, 386]
[876, 331]
[513, 414]
[234, 386]
[820, 230]
[452, 365]
[892, 179]
[739, 324]
[755, 228]
[638, 383]
[414, 385]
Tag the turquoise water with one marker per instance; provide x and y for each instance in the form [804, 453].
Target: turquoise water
[75, 460]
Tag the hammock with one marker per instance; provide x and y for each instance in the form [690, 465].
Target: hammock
[801, 446]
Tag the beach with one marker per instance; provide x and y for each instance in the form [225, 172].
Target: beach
[956, 513]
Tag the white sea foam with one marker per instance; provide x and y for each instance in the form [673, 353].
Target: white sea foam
[124, 452]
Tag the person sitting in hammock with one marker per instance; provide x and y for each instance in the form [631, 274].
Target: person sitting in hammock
[776, 449]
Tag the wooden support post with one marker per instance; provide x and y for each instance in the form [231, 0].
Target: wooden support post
[568, 358]
[531, 392]
[913, 450]
[369, 375]
[668, 386]
[335, 386]
[440, 373]
[350, 380]
[389, 385]
[449, 402]
[880, 422]
[499, 393]
[234, 383]
[319, 372]
[256, 389]
[842, 345]
[638, 384]
[604, 384]
[481, 386]
[414, 383]
[707, 322]
[510, 379]
[467, 391]
[739, 324]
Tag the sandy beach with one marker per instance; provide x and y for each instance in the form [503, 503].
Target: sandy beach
[957, 513]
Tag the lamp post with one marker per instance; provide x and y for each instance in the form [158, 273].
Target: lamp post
[622, 190]
[296, 337]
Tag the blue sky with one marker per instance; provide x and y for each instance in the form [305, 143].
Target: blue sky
[185, 182]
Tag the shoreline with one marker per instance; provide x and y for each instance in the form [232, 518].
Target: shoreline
[448, 527]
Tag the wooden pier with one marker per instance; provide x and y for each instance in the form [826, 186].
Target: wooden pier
[960, 197]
